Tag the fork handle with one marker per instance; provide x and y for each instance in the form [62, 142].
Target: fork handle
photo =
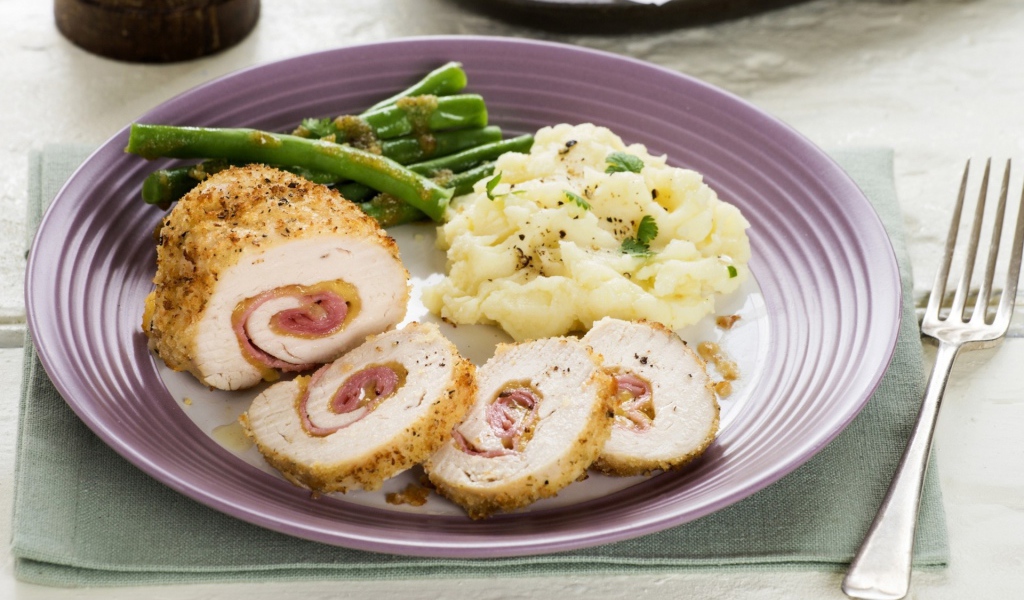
[881, 568]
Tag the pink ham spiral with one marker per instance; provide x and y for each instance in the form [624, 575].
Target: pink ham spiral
[509, 416]
[634, 395]
[326, 318]
[323, 313]
[351, 396]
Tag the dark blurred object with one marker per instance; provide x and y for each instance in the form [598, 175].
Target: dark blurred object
[155, 31]
[618, 16]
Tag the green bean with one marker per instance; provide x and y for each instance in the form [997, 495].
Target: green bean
[249, 145]
[412, 115]
[417, 148]
[356, 192]
[390, 211]
[462, 183]
[427, 113]
[163, 187]
[445, 80]
[459, 183]
[383, 207]
[166, 186]
[468, 159]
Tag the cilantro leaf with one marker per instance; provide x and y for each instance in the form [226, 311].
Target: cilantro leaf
[640, 245]
[621, 162]
[632, 246]
[491, 184]
[318, 128]
[647, 230]
[577, 199]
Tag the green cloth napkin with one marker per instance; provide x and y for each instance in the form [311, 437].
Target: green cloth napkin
[85, 516]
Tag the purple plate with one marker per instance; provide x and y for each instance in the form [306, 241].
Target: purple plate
[821, 259]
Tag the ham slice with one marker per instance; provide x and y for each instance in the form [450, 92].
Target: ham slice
[542, 412]
[666, 408]
[261, 272]
[378, 410]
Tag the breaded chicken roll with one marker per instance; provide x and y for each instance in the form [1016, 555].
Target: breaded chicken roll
[543, 410]
[378, 410]
[666, 412]
[260, 271]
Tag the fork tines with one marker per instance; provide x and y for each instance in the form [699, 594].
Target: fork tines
[959, 309]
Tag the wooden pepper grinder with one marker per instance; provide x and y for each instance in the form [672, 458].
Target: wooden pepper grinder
[155, 31]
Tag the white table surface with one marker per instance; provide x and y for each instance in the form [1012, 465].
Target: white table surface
[938, 81]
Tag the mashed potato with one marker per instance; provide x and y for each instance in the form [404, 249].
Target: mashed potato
[553, 242]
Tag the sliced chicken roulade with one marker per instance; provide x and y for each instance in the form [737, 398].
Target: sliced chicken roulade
[375, 412]
[543, 410]
[260, 271]
[666, 412]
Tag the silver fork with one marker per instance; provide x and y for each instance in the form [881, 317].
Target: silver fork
[881, 569]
